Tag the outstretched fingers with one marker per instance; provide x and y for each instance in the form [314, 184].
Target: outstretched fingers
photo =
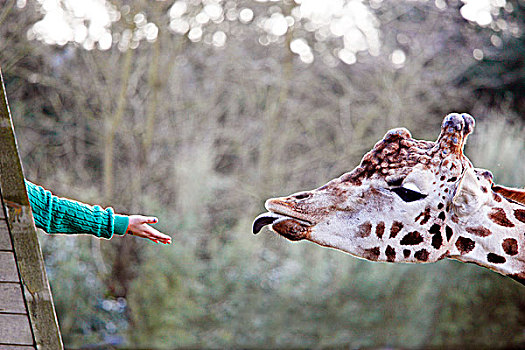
[138, 226]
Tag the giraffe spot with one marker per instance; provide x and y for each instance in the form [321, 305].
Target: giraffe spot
[352, 177]
[390, 254]
[396, 227]
[495, 258]
[440, 206]
[520, 214]
[479, 231]
[465, 245]
[446, 190]
[421, 255]
[380, 229]
[496, 196]
[484, 189]
[442, 216]
[518, 277]
[498, 216]
[406, 253]
[424, 215]
[449, 232]
[412, 238]
[510, 246]
[452, 179]
[437, 241]
[364, 230]
[444, 255]
[434, 229]
[442, 178]
[371, 254]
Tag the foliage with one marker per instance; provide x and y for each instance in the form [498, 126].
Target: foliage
[201, 134]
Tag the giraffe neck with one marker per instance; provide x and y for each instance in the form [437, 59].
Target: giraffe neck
[494, 238]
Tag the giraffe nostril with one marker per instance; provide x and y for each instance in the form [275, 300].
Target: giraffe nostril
[303, 195]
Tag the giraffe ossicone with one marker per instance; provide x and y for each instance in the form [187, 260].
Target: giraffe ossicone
[411, 201]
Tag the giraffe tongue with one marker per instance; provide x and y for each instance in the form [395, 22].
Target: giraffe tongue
[263, 220]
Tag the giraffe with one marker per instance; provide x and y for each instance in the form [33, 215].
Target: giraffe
[411, 201]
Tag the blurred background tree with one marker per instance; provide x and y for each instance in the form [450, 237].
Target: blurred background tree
[197, 111]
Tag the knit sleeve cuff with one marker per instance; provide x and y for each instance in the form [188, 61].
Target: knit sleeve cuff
[121, 223]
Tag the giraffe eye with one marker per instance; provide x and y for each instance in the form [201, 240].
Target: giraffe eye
[408, 195]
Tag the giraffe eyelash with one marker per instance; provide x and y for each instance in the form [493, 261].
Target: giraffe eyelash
[408, 195]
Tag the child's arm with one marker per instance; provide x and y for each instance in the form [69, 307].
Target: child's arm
[62, 215]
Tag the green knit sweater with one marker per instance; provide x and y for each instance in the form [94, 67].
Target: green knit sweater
[62, 215]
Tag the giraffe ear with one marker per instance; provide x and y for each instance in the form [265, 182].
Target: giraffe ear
[468, 196]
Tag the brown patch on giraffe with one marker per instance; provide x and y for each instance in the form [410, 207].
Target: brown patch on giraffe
[495, 258]
[421, 255]
[390, 254]
[498, 216]
[437, 241]
[497, 198]
[396, 227]
[434, 229]
[364, 230]
[484, 189]
[454, 219]
[520, 214]
[380, 229]
[479, 231]
[424, 215]
[412, 238]
[444, 255]
[440, 206]
[515, 194]
[352, 177]
[406, 253]
[449, 232]
[371, 254]
[518, 277]
[442, 216]
[465, 245]
[510, 246]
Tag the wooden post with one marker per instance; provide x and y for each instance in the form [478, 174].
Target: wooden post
[27, 319]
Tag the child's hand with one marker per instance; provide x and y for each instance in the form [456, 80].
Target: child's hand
[138, 226]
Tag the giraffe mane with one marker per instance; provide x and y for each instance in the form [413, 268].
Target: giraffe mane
[514, 194]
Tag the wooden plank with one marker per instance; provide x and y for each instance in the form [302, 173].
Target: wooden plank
[16, 347]
[8, 272]
[24, 238]
[12, 299]
[5, 240]
[15, 329]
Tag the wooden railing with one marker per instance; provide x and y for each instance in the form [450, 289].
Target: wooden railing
[27, 313]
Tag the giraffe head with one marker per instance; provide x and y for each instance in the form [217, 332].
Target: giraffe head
[393, 207]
